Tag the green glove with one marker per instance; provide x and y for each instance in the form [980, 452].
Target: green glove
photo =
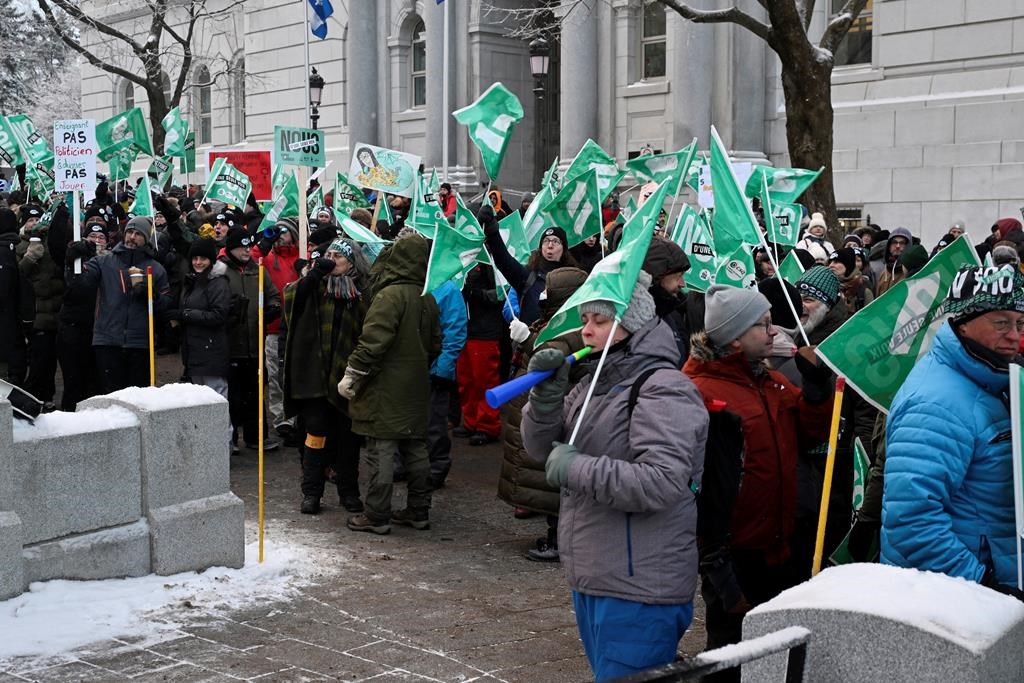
[547, 396]
[557, 466]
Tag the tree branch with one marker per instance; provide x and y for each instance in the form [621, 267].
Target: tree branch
[805, 8]
[89, 21]
[840, 24]
[733, 15]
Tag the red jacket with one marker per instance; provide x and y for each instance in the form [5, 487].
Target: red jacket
[777, 423]
[280, 266]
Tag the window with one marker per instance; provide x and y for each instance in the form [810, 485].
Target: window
[202, 108]
[652, 39]
[126, 96]
[419, 65]
[856, 45]
[165, 81]
[238, 99]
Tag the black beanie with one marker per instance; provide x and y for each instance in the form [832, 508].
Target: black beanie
[847, 257]
[30, 211]
[324, 235]
[237, 237]
[8, 222]
[771, 288]
[204, 246]
[805, 258]
[554, 231]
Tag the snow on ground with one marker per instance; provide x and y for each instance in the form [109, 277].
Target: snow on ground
[51, 425]
[59, 616]
[168, 396]
[961, 611]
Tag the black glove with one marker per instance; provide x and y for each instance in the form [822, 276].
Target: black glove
[323, 266]
[864, 540]
[174, 314]
[990, 581]
[160, 202]
[817, 384]
[485, 215]
[266, 244]
[82, 249]
[299, 264]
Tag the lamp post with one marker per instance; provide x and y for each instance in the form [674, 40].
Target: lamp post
[540, 58]
[316, 90]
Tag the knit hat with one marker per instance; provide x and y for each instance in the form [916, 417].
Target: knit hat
[853, 238]
[237, 237]
[847, 257]
[140, 224]
[32, 211]
[224, 218]
[665, 257]
[913, 259]
[817, 221]
[782, 316]
[291, 225]
[1005, 225]
[527, 197]
[204, 246]
[324, 235]
[8, 222]
[731, 311]
[817, 252]
[981, 289]
[819, 283]
[342, 247]
[805, 258]
[639, 312]
[1004, 253]
[96, 229]
[554, 232]
[361, 216]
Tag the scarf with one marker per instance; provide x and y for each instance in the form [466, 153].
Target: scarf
[342, 287]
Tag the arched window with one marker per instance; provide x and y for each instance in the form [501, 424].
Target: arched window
[202, 105]
[418, 72]
[238, 99]
[165, 81]
[652, 40]
[125, 96]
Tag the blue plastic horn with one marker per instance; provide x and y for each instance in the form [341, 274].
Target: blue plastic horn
[503, 393]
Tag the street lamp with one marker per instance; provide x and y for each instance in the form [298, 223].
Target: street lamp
[316, 91]
[540, 58]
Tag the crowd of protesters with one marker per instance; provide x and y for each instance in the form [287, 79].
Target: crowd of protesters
[701, 451]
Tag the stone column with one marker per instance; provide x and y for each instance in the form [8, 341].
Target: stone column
[361, 63]
[579, 74]
[691, 81]
[437, 117]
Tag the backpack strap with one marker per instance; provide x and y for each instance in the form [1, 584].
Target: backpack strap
[634, 391]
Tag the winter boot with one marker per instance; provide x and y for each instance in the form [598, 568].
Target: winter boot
[417, 519]
[310, 505]
[364, 523]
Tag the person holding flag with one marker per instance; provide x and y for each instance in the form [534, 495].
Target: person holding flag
[948, 505]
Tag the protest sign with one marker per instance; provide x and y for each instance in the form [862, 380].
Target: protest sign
[299, 146]
[384, 170]
[254, 163]
[74, 155]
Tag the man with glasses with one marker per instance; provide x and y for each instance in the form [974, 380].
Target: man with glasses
[948, 504]
[759, 423]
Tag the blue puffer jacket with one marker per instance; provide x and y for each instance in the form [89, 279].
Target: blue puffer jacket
[453, 329]
[948, 502]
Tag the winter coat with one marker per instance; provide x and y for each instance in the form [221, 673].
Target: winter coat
[948, 505]
[204, 308]
[672, 309]
[122, 316]
[46, 278]
[628, 522]
[400, 339]
[279, 264]
[810, 243]
[243, 281]
[855, 291]
[453, 320]
[528, 284]
[15, 304]
[484, 307]
[778, 422]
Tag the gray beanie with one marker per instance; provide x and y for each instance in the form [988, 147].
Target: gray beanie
[730, 311]
[639, 312]
[140, 224]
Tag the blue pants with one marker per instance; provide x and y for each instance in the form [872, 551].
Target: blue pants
[622, 637]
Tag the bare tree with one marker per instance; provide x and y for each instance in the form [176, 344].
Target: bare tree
[171, 28]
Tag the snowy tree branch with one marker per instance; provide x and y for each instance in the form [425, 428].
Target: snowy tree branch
[89, 21]
[806, 11]
[840, 24]
[732, 15]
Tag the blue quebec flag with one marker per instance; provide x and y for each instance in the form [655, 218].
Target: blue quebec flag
[318, 22]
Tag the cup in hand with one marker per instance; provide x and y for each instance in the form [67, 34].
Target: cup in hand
[136, 275]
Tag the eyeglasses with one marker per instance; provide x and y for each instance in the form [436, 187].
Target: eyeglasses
[1002, 326]
[766, 324]
[550, 241]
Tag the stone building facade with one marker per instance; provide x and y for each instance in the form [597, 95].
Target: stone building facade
[929, 101]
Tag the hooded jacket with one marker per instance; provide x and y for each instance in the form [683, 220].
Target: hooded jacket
[948, 502]
[204, 310]
[243, 282]
[886, 262]
[400, 339]
[279, 262]
[628, 522]
[15, 302]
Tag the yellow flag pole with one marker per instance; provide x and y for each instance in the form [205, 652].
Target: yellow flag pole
[259, 374]
[376, 212]
[149, 307]
[830, 464]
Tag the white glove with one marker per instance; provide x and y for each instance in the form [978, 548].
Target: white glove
[34, 252]
[518, 330]
[347, 385]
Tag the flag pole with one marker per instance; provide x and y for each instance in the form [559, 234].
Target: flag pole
[149, 307]
[444, 97]
[785, 292]
[830, 464]
[305, 43]
[259, 417]
[593, 381]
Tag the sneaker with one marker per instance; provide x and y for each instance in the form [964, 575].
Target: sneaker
[351, 503]
[288, 435]
[481, 439]
[235, 450]
[461, 432]
[522, 513]
[543, 552]
[310, 505]
[417, 519]
[268, 445]
[364, 523]
[437, 481]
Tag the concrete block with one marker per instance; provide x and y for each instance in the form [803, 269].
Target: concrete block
[988, 182]
[12, 573]
[115, 552]
[925, 126]
[921, 184]
[890, 17]
[930, 14]
[988, 121]
[973, 41]
[849, 93]
[8, 487]
[1018, 36]
[989, 10]
[937, 217]
[889, 88]
[899, 49]
[964, 155]
[198, 534]
[861, 187]
[184, 456]
[890, 157]
[891, 215]
[851, 129]
[844, 159]
[1011, 207]
[970, 81]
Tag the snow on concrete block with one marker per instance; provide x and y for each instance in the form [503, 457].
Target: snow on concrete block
[198, 534]
[184, 455]
[12, 576]
[875, 622]
[116, 552]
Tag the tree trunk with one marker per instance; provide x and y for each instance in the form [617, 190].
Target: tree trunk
[158, 109]
[807, 87]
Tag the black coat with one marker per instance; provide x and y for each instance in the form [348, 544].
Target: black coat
[204, 308]
[15, 297]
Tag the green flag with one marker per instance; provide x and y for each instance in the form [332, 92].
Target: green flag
[143, 203]
[10, 150]
[791, 269]
[435, 183]
[32, 142]
[537, 217]
[628, 210]
[490, 120]
[781, 221]
[577, 208]
[121, 163]
[465, 222]
[452, 252]
[348, 196]
[286, 203]
[737, 269]
[784, 184]
[861, 467]
[733, 222]
[314, 200]
[187, 164]
[425, 211]
[356, 231]
[176, 132]
[592, 157]
[385, 212]
[512, 234]
[551, 178]
[692, 234]
[671, 166]
[876, 348]
[613, 278]
[39, 179]
[122, 130]
[693, 173]
[228, 184]
[163, 169]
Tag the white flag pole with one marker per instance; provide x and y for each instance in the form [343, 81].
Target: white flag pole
[305, 44]
[593, 381]
[1018, 465]
[444, 98]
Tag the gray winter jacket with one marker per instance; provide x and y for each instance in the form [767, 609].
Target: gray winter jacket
[628, 521]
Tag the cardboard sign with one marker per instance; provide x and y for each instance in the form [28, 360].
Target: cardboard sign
[254, 163]
[705, 191]
[382, 169]
[299, 146]
[74, 155]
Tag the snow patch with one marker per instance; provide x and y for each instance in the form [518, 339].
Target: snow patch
[755, 648]
[961, 611]
[59, 616]
[58, 424]
[168, 397]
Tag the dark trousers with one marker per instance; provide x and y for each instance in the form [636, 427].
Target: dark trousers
[42, 365]
[243, 398]
[439, 441]
[340, 450]
[117, 368]
[77, 365]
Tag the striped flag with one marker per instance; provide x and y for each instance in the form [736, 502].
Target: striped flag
[318, 22]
